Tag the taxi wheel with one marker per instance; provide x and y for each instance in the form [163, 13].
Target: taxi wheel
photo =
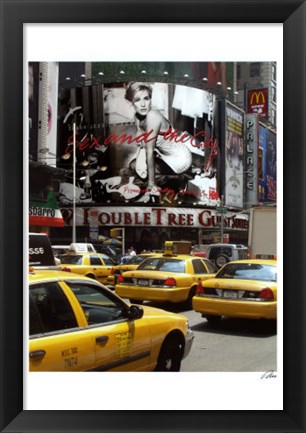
[136, 301]
[170, 355]
[91, 276]
[191, 294]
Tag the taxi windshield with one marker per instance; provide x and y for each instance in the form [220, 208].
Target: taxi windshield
[248, 271]
[162, 264]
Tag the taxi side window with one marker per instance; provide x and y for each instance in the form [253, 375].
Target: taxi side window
[99, 307]
[198, 267]
[212, 269]
[108, 261]
[50, 310]
[95, 260]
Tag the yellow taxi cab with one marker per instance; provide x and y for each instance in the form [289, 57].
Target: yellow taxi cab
[90, 264]
[77, 324]
[130, 264]
[244, 288]
[169, 277]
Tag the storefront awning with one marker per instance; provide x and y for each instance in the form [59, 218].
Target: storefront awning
[45, 213]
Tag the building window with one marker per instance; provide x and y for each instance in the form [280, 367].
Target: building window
[255, 69]
[273, 90]
[274, 72]
[273, 117]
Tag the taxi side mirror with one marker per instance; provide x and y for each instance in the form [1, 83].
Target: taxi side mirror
[135, 312]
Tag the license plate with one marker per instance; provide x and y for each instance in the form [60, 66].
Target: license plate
[143, 282]
[230, 294]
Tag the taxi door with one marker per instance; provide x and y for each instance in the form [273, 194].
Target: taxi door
[201, 270]
[123, 345]
[57, 341]
[120, 344]
[72, 351]
[99, 268]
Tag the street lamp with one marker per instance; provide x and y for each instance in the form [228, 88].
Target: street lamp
[74, 188]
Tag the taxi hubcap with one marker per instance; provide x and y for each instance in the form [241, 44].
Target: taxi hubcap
[168, 364]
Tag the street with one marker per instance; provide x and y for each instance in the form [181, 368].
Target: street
[235, 345]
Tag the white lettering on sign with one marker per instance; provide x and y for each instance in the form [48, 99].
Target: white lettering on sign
[250, 149]
[40, 211]
[36, 250]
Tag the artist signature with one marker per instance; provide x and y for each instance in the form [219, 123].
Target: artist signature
[269, 375]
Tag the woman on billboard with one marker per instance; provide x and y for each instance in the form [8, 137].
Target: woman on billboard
[162, 151]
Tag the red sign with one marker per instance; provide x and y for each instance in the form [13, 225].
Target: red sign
[258, 101]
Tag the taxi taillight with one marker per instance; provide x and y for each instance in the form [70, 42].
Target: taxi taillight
[66, 269]
[266, 293]
[120, 279]
[112, 271]
[170, 281]
[200, 289]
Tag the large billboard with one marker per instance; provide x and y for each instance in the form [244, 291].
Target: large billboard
[234, 155]
[139, 143]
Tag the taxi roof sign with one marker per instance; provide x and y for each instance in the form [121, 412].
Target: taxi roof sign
[177, 247]
[76, 247]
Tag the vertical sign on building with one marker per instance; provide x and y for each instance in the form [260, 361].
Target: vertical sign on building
[234, 151]
[47, 112]
[262, 162]
[251, 159]
[93, 224]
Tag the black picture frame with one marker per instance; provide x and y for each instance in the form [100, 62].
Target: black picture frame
[13, 15]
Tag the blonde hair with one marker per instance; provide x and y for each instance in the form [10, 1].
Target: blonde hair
[135, 87]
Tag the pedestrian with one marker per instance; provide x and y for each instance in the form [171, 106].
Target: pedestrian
[132, 252]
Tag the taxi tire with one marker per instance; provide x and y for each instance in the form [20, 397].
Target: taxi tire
[91, 276]
[191, 294]
[170, 355]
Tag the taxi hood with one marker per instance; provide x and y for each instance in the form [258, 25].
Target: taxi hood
[154, 312]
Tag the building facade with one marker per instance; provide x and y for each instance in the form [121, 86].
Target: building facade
[204, 161]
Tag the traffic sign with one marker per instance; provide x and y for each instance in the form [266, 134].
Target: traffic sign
[222, 210]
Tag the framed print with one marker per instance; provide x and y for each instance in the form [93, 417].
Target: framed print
[160, 33]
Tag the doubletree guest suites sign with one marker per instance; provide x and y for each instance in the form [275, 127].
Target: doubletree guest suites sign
[45, 213]
[157, 217]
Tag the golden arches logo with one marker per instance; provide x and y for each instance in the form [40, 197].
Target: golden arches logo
[258, 95]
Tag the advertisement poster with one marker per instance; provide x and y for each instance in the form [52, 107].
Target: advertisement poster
[267, 165]
[234, 154]
[271, 166]
[139, 143]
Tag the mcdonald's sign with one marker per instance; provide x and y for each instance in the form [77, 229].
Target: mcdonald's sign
[258, 101]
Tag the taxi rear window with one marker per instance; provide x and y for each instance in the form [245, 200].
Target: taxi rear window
[71, 259]
[163, 264]
[248, 271]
